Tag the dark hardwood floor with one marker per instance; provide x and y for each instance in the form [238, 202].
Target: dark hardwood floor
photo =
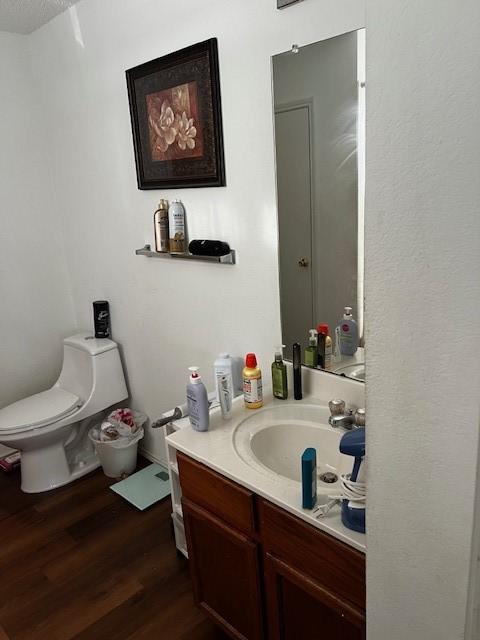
[81, 563]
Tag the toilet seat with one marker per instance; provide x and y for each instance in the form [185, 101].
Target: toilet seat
[38, 410]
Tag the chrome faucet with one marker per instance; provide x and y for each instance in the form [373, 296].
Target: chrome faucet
[343, 417]
[345, 420]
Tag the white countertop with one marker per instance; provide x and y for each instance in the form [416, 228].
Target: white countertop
[215, 449]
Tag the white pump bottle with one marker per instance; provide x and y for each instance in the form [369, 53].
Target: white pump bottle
[197, 401]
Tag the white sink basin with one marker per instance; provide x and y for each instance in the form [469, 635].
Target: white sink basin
[355, 370]
[272, 441]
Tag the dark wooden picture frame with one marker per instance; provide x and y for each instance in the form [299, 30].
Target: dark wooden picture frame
[175, 111]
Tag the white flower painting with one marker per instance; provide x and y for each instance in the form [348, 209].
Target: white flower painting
[173, 123]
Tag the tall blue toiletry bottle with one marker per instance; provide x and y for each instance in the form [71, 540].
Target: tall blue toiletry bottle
[197, 401]
[309, 478]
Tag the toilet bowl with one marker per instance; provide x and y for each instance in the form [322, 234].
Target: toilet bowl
[51, 428]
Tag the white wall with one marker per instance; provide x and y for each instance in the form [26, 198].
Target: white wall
[36, 305]
[422, 313]
[167, 315]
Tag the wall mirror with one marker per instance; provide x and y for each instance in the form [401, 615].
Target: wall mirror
[319, 111]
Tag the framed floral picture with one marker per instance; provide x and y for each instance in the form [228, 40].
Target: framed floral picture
[176, 118]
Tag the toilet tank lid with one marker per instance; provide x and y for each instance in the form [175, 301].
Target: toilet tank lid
[86, 341]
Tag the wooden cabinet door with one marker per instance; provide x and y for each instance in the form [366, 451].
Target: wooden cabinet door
[224, 565]
[299, 608]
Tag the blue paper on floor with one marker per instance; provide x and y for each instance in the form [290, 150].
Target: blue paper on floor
[145, 487]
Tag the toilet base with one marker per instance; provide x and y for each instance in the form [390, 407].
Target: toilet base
[48, 468]
[51, 458]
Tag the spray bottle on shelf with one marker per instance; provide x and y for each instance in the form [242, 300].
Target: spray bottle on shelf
[160, 225]
[197, 401]
[176, 226]
[279, 375]
[252, 383]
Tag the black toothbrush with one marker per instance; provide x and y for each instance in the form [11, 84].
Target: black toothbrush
[297, 372]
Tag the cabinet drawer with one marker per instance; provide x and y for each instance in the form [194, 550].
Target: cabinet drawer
[227, 500]
[331, 563]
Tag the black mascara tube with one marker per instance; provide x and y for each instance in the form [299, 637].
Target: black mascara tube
[297, 372]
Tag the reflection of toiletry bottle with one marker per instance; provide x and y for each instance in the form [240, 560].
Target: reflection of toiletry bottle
[311, 357]
[279, 376]
[320, 349]
[337, 356]
[327, 347]
[297, 372]
[197, 401]
[160, 225]
[252, 383]
[223, 369]
[101, 319]
[348, 333]
[309, 478]
[176, 224]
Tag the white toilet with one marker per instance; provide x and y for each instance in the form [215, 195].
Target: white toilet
[51, 428]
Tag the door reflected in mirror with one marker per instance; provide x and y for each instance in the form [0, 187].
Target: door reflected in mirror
[319, 107]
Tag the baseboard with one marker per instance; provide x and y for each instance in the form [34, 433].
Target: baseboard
[149, 456]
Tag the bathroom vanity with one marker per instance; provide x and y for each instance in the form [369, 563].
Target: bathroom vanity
[258, 570]
[261, 566]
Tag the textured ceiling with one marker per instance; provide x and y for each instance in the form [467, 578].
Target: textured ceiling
[24, 16]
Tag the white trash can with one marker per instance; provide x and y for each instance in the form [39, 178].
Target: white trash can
[118, 457]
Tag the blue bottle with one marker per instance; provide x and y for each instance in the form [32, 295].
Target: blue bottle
[309, 478]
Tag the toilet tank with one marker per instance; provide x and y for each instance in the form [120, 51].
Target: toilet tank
[93, 371]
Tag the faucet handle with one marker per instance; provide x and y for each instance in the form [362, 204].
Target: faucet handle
[337, 407]
[360, 417]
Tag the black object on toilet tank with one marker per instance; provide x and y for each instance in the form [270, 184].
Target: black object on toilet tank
[101, 319]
